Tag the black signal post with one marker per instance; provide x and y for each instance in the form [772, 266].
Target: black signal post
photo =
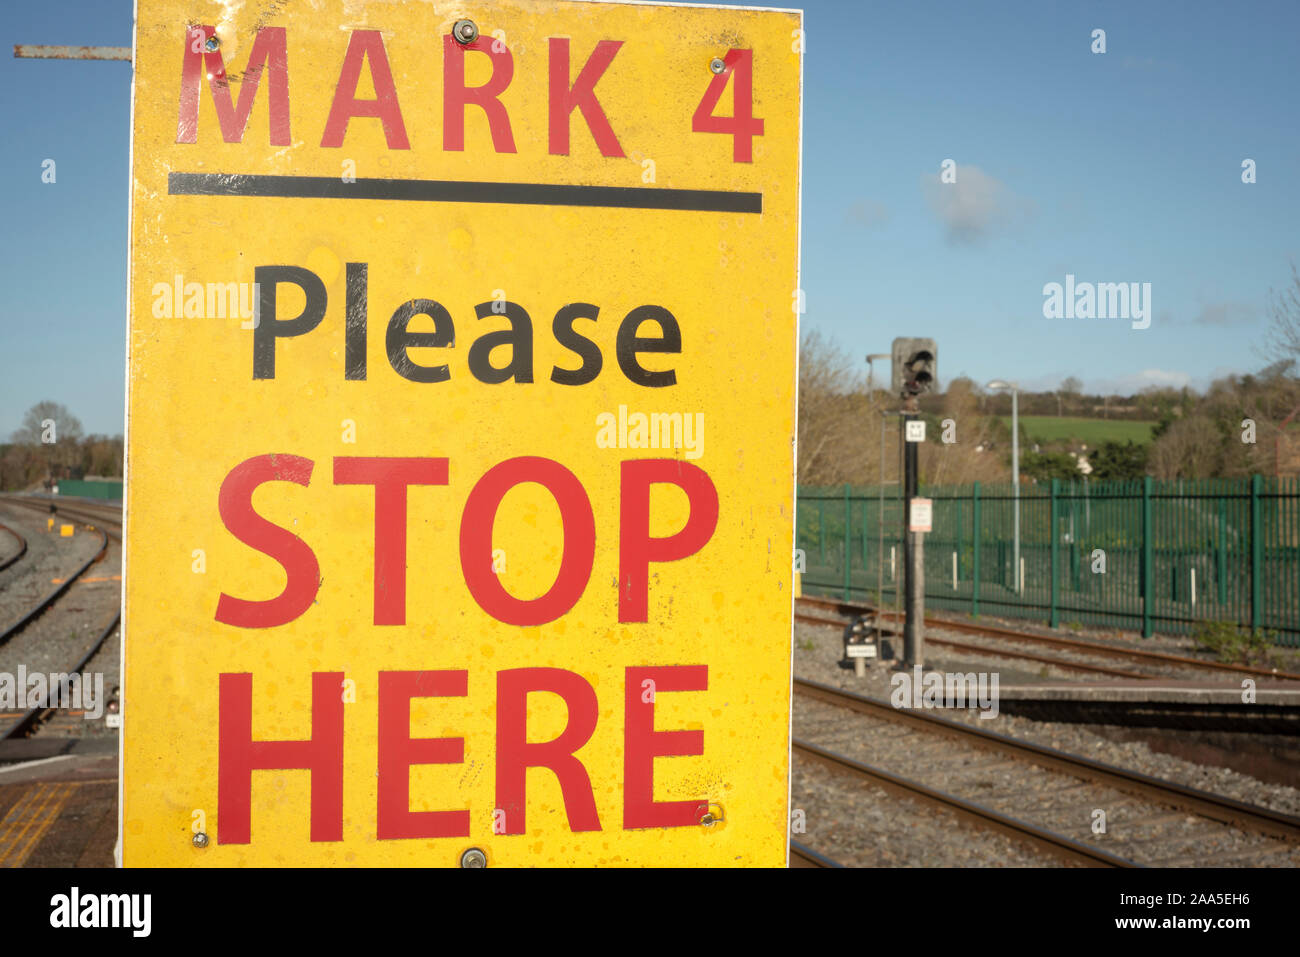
[915, 368]
[913, 549]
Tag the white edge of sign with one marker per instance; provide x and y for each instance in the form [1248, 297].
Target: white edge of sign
[794, 452]
[126, 439]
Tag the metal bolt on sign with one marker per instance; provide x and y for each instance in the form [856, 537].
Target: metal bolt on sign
[710, 817]
[465, 32]
[200, 840]
[473, 858]
[717, 65]
[213, 42]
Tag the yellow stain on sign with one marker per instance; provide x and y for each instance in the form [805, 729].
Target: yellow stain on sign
[470, 368]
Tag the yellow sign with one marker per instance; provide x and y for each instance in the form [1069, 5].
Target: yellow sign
[461, 407]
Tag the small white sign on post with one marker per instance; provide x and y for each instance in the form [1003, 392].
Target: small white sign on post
[921, 514]
[914, 431]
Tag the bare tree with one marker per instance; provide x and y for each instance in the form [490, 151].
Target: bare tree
[1070, 388]
[1238, 428]
[1190, 447]
[48, 423]
[840, 427]
[102, 455]
[21, 468]
[1284, 328]
[835, 419]
[968, 457]
[51, 429]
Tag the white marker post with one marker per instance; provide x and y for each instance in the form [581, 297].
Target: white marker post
[919, 521]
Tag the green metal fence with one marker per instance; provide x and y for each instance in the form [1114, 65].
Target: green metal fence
[1149, 555]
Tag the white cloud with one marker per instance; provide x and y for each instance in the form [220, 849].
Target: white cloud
[1226, 313]
[867, 213]
[975, 205]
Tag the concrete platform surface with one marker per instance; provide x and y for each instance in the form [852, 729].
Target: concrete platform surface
[1266, 691]
[60, 811]
[1269, 707]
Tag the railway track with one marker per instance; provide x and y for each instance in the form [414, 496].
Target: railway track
[22, 547]
[108, 518]
[1152, 659]
[50, 597]
[1056, 845]
[801, 855]
[1041, 796]
[19, 723]
[1075, 666]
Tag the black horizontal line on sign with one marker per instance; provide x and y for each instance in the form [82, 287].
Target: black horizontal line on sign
[457, 191]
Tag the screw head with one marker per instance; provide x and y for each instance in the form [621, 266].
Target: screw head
[717, 65]
[473, 858]
[212, 43]
[465, 32]
[200, 840]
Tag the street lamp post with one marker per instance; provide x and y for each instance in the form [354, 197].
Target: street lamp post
[871, 370]
[998, 385]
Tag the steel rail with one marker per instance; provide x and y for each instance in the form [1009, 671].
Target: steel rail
[98, 524]
[1079, 666]
[63, 504]
[801, 855]
[1090, 647]
[818, 620]
[1075, 644]
[22, 548]
[994, 652]
[1226, 810]
[32, 715]
[83, 514]
[54, 595]
[1058, 845]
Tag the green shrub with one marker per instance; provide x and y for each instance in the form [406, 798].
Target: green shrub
[1229, 642]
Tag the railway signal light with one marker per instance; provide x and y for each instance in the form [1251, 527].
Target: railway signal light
[915, 366]
[859, 645]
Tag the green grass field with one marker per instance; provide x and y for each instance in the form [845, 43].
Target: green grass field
[1050, 428]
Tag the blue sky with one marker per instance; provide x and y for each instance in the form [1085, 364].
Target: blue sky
[1116, 167]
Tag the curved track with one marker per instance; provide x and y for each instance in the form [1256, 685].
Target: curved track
[51, 597]
[88, 512]
[100, 519]
[22, 548]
